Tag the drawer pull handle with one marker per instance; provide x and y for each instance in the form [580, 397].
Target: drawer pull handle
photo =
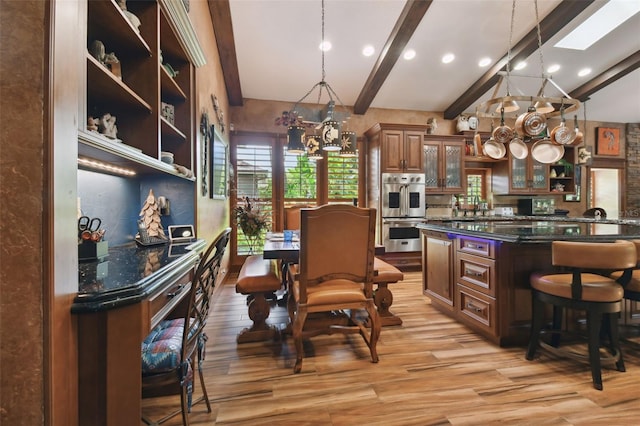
[473, 307]
[476, 246]
[175, 291]
[473, 273]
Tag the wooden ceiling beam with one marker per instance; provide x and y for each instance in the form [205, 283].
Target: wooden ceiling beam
[405, 26]
[564, 13]
[220, 12]
[604, 79]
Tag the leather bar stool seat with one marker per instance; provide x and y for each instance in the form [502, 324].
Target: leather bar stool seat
[580, 287]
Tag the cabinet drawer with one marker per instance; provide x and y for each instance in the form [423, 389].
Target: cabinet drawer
[166, 300]
[476, 309]
[477, 246]
[476, 272]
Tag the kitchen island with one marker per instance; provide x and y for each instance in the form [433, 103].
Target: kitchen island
[478, 271]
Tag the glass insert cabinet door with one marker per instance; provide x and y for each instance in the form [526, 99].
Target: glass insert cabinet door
[539, 176]
[518, 173]
[452, 161]
[431, 166]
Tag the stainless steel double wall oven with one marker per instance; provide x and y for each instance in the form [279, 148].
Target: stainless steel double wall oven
[403, 206]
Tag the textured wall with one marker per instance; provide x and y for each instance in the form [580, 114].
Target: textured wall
[633, 170]
[22, 67]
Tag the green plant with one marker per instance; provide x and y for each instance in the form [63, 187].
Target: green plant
[568, 167]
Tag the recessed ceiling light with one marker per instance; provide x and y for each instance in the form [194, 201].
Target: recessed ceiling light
[598, 25]
[553, 68]
[368, 50]
[584, 71]
[325, 46]
[484, 62]
[520, 65]
[449, 57]
[409, 54]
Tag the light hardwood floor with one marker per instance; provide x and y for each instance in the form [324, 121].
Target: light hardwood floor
[432, 371]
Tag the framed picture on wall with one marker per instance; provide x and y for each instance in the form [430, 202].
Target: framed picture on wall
[608, 141]
[218, 176]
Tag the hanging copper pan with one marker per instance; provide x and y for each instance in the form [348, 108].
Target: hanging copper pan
[531, 123]
[502, 133]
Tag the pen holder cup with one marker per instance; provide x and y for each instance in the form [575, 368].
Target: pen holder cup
[89, 251]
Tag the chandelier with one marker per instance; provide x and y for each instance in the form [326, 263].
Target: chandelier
[530, 126]
[328, 135]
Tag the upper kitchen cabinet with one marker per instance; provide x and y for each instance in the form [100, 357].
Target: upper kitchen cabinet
[528, 176]
[444, 164]
[139, 86]
[400, 147]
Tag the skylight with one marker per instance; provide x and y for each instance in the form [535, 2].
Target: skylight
[598, 25]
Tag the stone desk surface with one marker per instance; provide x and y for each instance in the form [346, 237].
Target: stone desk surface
[537, 231]
[130, 273]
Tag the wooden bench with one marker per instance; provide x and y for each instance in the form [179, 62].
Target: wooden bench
[257, 277]
[383, 298]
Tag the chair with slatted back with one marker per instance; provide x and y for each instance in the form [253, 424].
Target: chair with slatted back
[579, 287]
[335, 274]
[175, 346]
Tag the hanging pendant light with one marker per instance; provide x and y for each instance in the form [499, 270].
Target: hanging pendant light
[348, 144]
[295, 140]
[314, 147]
[329, 126]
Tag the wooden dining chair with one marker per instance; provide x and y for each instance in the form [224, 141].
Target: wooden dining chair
[292, 216]
[579, 287]
[335, 274]
[172, 349]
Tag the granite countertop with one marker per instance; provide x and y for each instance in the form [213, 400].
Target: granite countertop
[621, 221]
[130, 273]
[537, 231]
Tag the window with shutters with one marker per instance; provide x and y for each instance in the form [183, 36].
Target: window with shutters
[342, 178]
[300, 177]
[254, 174]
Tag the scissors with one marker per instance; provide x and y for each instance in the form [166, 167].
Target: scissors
[88, 228]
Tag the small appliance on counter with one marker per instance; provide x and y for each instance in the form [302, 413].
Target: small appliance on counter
[536, 206]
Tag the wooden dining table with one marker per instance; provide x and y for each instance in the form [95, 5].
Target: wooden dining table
[289, 251]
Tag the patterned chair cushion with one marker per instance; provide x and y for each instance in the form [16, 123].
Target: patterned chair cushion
[161, 348]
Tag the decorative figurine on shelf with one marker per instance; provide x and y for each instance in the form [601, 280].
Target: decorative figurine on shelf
[111, 61]
[432, 125]
[92, 124]
[98, 51]
[150, 231]
[135, 21]
[107, 126]
[462, 124]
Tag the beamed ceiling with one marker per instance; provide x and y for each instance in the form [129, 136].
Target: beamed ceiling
[269, 50]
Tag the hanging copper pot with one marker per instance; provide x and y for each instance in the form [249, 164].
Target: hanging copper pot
[579, 135]
[531, 123]
[562, 134]
[502, 133]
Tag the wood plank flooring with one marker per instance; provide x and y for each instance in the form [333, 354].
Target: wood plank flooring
[432, 371]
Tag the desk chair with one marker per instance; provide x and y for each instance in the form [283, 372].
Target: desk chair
[599, 296]
[335, 274]
[169, 350]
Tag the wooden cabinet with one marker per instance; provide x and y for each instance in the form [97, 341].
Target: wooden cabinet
[438, 269]
[528, 176]
[476, 284]
[400, 147]
[444, 164]
[146, 85]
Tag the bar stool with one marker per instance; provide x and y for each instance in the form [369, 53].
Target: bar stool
[599, 296]
[630, 281]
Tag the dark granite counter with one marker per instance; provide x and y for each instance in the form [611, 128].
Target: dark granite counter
[537, 231]
[131, 273]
